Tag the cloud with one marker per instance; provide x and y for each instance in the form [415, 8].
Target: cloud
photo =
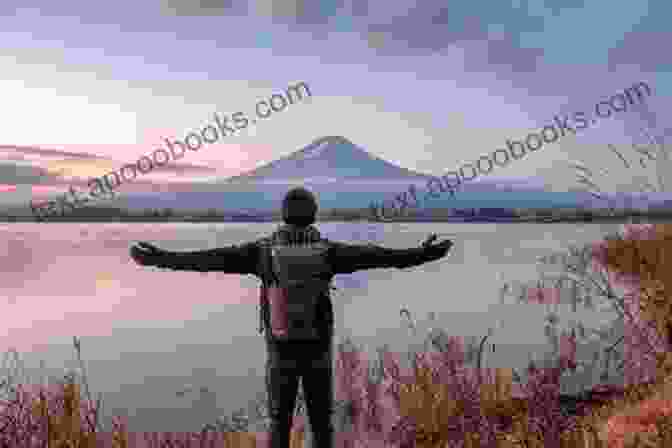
[485, 55]
[630, 50]
[185, 168]
[76, 170]
[40, 165]
[487, 38]
[199, 7]
[298, 12]
[422, 28]
[427, 27]
[511, 35]
[35, 173]
[45, 152]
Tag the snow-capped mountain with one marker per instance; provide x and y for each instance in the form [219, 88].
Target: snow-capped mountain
[328, 160]
[342, 175]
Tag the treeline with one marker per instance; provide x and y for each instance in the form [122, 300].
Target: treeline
[115, 214]
[588, 215]
[167, 214]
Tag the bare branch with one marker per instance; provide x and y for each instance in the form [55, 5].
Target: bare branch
[625, 162]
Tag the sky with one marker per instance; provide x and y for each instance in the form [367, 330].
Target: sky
[428, 86]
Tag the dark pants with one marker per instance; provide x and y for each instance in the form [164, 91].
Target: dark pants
[286, 363]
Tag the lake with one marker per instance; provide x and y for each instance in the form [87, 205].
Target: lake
[147, 333]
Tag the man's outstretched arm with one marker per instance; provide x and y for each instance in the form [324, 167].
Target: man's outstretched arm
[348, 258]
[232, 259]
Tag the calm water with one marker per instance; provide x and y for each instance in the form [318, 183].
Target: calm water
[148, 333]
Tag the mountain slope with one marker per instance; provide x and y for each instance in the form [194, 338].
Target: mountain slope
[328, 159]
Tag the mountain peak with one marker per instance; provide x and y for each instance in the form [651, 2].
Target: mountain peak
[319, 146]
[332, 139]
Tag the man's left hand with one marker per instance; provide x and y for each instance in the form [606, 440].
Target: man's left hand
[146, 254]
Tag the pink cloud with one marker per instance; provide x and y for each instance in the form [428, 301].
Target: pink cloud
[217, 161]
[67, 165]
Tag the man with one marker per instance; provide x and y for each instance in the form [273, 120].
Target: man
[288, 361]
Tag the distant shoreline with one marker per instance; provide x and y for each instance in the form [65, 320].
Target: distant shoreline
[437, 215]
[540, 220]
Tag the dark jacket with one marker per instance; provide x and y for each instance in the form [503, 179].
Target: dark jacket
[250, 258]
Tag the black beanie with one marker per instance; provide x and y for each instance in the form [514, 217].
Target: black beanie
[299, 207]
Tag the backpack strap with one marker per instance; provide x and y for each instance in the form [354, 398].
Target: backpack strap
[262, 308]
[275, 273]
[267, 277]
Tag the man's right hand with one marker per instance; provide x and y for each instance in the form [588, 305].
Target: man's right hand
[433, 250]
[146, 254]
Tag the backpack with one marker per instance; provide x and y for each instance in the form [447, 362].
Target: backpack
[300, 278]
